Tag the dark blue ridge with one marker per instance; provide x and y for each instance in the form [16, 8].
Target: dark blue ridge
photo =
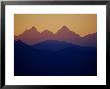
[52, 45]
[54, 58]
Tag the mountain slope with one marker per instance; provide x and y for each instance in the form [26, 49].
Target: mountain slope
[64, 34]
[32, 36]
[52, 45]
[90, 39]
[71, 60]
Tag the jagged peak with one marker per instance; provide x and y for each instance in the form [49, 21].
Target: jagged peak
[33, 29]
[64, 26]
[47, 31]
[64, 29]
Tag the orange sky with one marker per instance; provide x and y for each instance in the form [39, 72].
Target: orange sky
[82, 24]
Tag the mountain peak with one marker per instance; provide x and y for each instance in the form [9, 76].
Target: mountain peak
[31, 30]
[64, 29]
[46, 32]
[32, 36]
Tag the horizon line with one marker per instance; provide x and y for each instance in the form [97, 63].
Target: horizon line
[53, 32]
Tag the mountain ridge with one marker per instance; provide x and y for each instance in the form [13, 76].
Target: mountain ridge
[70, 60]
[33, 36]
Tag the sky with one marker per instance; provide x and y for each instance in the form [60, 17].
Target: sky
[81, 24]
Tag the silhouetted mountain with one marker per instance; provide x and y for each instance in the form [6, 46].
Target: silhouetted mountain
[64, 34]
[19, 43]
[90, 39]
[46, 35]
[52, 45]
[32, 36]
[29, 36]
[69, 60]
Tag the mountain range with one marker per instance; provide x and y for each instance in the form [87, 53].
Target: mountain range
[63, 53]
[54, 58]
[33, 36]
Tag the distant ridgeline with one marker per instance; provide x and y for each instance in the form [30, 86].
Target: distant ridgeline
[64, 53]
[32, 36]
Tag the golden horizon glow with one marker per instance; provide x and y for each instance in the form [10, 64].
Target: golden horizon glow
[81, 24]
